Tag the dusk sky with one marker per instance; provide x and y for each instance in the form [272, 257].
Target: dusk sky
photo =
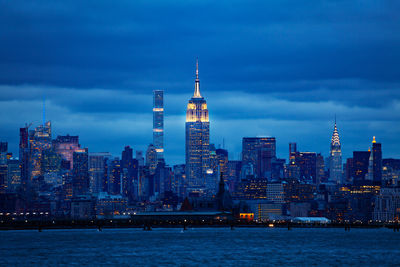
[267, 68]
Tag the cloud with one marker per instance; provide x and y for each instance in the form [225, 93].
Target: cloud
[107, 120]
[266, 68]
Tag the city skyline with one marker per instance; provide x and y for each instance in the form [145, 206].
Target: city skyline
[112, 154]
[226, 142]
[289, 73]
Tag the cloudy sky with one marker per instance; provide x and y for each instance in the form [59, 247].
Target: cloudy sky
[267, 68]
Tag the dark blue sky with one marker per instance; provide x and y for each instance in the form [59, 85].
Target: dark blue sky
[267, 68]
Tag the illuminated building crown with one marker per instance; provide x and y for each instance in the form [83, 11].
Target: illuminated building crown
[197, 107]
[335, 142]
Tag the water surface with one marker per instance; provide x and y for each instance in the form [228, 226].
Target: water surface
[201, 246]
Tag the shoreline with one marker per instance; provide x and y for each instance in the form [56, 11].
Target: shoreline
[113, 224]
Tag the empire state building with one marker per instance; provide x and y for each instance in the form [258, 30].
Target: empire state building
[197, 138]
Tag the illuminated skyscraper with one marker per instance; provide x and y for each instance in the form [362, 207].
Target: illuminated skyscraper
[39, 141]
[158, 122]
[335, 162]
[66, 146]
[377, 161]
[197, 138]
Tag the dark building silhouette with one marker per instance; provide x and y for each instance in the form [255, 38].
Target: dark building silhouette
[360, 166]
[222, 158]
[3, 147]
[114, 182]
[131, 167]
[24, 154]
[377, 161]
[80, 179]
[307, 165]
[258, 154]
[224, 199]
[349, 170]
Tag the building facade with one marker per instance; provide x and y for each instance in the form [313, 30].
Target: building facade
[335, 158]
[197, 138]
[158, 122]
[257, 156]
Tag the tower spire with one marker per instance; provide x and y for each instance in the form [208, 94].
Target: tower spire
[197, 82]
[197, 68]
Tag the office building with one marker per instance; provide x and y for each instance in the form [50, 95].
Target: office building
[114, 181]
[306, 165]
[360, 166]
[197, 153]
[24, 154]
[257, 155]
[66, 146]
[39, 141]
[151, 158]
[13, 175]
[335, 158]
[97, 172]
[80, 179]
[387, 205]
[376, 161]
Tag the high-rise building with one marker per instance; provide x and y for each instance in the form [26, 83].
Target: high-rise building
[14, 174]
[360, 166]
[222, 158]
[179, 183]
[151, 158]
[197, 138]
[158, 122]
[3, 178]
[39, 141]
[292, 149]
[234, 167]
[377, 161]
[3, 153]
[307, 164]
[349, 170]
[258, 154]
[65, 146]
[97, 171]
[320, 165]
[24, 154]
[335, 158]
[129, 181]
[80, 179]
[114, 183]
[140, 158]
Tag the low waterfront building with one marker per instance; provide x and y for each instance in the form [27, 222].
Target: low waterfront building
[311, 220]
[387, 205]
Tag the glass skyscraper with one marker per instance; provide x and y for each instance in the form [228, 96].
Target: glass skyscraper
[197, 138]
[158, 122]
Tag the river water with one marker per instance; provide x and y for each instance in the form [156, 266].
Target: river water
[201, 246]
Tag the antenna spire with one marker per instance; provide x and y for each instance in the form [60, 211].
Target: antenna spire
[197, 82]
[197, 68]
